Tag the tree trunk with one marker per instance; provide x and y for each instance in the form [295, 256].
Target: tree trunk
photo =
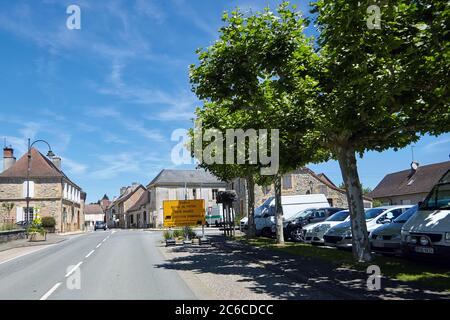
[278, 211]
[251, 232]
[349, 170]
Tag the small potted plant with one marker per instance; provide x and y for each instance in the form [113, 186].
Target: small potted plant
[36, 231]
[49, 223]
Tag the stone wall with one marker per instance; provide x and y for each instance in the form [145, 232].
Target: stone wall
[6, 236]
[44, 188]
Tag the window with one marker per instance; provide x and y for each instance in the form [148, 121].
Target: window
[194, 193]
[31, 189]
[319, 214]
[214, 193]
[287, 181]
[330, 201]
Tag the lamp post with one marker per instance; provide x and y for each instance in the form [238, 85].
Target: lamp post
[49, 154]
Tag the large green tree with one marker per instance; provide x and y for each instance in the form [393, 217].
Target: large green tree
[240, 72]
[363, 89]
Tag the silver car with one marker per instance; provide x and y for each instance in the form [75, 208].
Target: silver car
[341, 235]
[387, 238]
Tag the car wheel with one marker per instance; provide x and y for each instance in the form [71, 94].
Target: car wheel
[297, 235]
[266, 232]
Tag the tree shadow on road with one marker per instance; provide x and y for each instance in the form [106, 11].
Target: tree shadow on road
[281, 276]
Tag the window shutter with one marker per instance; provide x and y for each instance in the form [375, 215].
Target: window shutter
[31, 190]
[19, 214]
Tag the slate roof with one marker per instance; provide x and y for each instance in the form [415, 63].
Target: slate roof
[191, 177]
[410, 182]
[40, 167]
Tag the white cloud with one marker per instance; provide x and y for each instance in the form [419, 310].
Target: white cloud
[73, 167]
[437, 145]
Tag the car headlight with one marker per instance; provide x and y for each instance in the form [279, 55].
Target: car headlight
[447, 236]
[348, 234]
[424, 241]
[410, 239]
[396, 237]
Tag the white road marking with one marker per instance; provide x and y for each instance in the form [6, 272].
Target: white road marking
[50, 292]
[89, 254]
[73, 269]
[98, 246]
[105, 239]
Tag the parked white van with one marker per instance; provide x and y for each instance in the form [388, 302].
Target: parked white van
[265, 214]
[428, 231]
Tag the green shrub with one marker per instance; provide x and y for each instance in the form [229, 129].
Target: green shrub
[167, 235]
[177, 233]
[189, 232]
[48, 222]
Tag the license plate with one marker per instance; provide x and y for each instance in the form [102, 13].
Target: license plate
[424, 250]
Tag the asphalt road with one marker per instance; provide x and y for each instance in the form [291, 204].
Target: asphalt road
[104, 265]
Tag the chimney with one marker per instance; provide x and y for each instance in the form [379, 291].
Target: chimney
[8, 158]
[123, 190]
[57, 162]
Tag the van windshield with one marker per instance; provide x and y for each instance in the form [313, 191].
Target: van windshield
[261, 209]
[438, 199]
[373, 213]
[302, 214]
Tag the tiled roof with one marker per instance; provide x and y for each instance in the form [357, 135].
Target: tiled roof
[143, 200]
[410, 182]
[40, 167]
[190, 177]
[127, 194]
[93, 209]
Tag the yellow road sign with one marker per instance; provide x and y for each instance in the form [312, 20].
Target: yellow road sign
[184, 213]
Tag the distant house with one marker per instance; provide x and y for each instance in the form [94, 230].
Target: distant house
[409, 186]
[116, 215]
[50, 191]
[93, 213]
[139, 214]
[299, 182]
[182, 185]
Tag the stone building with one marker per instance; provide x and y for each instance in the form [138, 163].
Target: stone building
[116, 215]
[182, 185]
[50, 191]
[139, 214]
[299, 182]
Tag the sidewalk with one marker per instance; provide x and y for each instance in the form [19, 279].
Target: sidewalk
[344, 283]
[52, 238]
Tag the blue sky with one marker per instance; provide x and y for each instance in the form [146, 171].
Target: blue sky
[107, 97]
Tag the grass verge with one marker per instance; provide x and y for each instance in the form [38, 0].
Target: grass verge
[424, 273]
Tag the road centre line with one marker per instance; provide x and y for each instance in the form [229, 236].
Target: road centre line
[50, 292]
[74, 268]
[98, 246]
[89, 254]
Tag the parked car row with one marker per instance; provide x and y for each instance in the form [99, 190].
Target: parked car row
[422, 229]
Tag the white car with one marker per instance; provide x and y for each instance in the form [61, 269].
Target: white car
[427, 233]
[314, 233]
[341, 235]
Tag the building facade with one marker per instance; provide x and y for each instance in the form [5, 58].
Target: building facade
[116, 215]
[182, 185]
[49, 190]
[93, 212]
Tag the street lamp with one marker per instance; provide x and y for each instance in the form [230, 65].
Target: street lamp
[50, 154]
